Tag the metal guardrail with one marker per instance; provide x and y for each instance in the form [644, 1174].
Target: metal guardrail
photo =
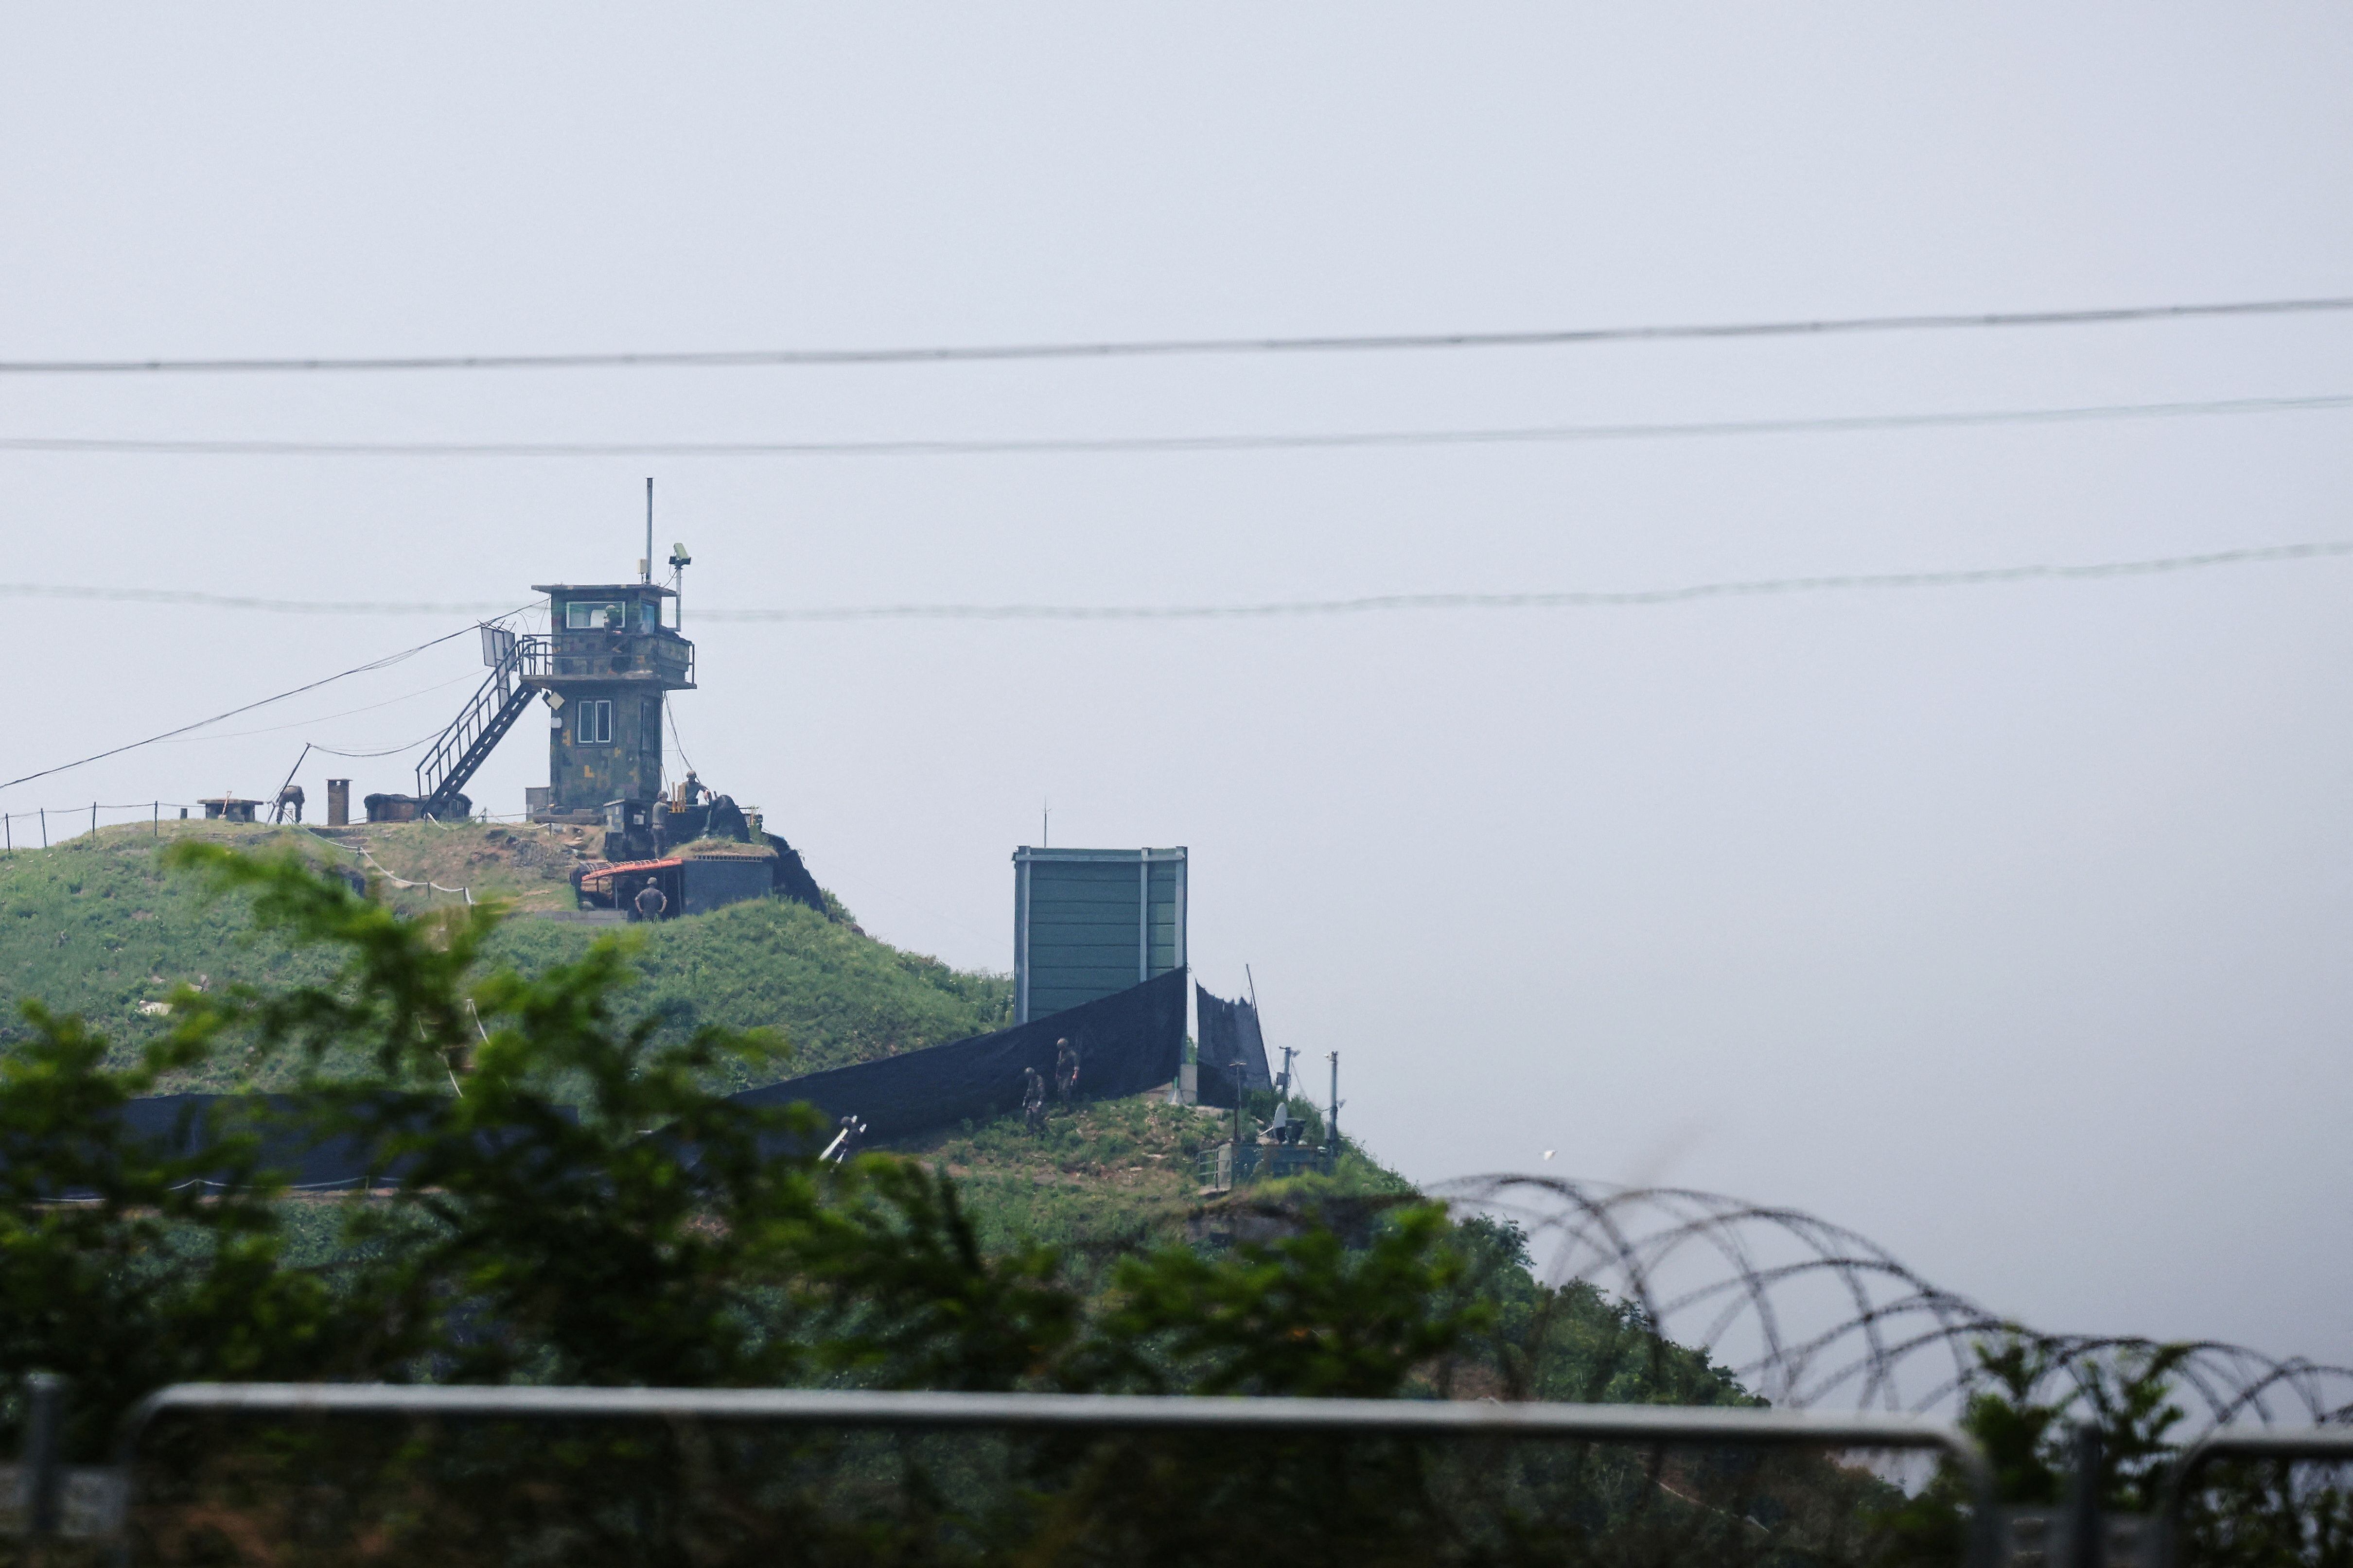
[110, 1491]
[2254, 1443]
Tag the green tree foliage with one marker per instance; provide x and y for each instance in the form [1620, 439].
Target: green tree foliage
[566, 1196]
[575, 1202]
[2026, 1416]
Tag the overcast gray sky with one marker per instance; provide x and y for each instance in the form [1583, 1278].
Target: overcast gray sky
[2008, 925]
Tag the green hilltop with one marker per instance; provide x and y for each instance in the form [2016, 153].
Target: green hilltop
[97, 926]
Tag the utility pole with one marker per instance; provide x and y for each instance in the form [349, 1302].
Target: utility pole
[1238, 1112]
[1332, 1119]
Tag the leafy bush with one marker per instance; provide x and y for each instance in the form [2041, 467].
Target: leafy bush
[575, 1202]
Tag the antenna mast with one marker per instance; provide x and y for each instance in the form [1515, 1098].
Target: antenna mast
[1282, 1084]
[646, 562]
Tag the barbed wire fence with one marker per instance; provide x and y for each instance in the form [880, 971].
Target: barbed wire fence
[55, 826]
[1811, 1315]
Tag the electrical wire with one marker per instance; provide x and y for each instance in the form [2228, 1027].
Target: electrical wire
[384, 662]
[434, 733]
[1171, 347]
[250, 602]
[326, 718]
[1569, 599]
[1057, 446]
[669, 729]
[1573, 599]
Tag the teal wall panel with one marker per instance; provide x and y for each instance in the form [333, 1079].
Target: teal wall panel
[1090, 922]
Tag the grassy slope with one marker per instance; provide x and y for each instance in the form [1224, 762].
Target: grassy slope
[1103, 1172]
[97, 929]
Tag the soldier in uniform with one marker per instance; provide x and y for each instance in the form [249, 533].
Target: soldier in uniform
[1033, 1100]
[650, 900]
[1066, 1070]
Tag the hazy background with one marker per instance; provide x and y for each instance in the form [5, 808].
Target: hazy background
[2007, 925]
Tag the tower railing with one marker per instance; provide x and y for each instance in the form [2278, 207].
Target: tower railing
[588, 656]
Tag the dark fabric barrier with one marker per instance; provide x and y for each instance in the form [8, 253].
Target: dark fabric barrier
[1230, 1033]
[1128, 1042]
[178, 1125]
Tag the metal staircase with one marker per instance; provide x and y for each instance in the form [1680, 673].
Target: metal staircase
[468, 742]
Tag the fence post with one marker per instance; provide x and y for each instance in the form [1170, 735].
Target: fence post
[158, 830]
[93, 824]
[44, 1399]
[45, 827]
[2085, 1547]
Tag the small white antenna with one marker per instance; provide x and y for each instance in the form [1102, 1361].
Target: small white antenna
[1045, 823]
[646, 561]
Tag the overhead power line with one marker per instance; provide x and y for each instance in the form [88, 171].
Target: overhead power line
[1525, 434]
[197, 598]
[330, 718]
[1568, 599]
[374, 664]
[1139, 348]
[1573, 599]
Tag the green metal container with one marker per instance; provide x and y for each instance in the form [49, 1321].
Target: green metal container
[1089, 922]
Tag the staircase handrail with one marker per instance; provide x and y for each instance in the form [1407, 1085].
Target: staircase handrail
[526, 656]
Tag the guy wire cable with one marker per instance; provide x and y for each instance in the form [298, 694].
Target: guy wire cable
[327, 718]
[1170, 347]
[388, 659]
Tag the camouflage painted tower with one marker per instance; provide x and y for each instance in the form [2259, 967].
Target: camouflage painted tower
[612, 650]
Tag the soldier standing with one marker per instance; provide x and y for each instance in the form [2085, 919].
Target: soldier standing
[1033, 1100]
[1066, 1070]
[650, 900]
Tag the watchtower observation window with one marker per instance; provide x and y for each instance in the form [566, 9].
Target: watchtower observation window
[594, 727]
[596, 615]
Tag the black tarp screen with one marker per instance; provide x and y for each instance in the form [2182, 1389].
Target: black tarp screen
[1228, 1032]
[177, 1126]
[1127, 1042]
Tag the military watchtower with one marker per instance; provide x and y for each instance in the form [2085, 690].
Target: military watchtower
[612, 650]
